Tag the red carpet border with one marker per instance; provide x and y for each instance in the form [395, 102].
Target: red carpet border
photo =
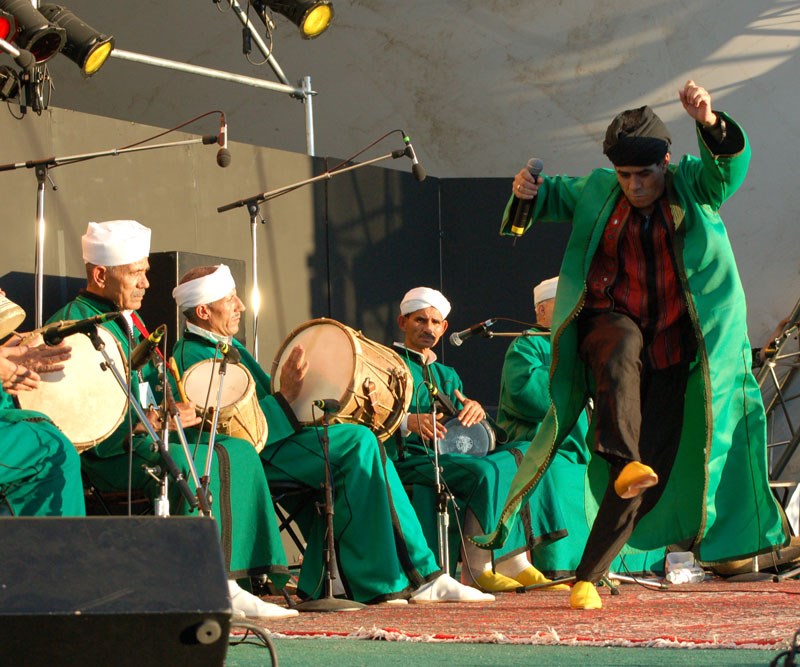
[709, 615]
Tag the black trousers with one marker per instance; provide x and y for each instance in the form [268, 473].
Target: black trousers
[638, 417]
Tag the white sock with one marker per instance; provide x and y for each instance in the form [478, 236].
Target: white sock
[511, 567]
[475, 561]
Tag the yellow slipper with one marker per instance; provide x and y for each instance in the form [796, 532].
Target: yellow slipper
[494, 582]
[584, 596]
[634, 478]
[530, 576]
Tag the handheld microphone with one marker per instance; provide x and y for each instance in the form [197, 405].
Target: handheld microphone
[416, 168]
[54, 334]
[460, 336]
[523, 212]
[327, 404]
[144, 350]
[223, 154]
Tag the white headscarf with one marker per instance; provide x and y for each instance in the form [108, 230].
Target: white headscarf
[424, 297]
[115, 243]
[545, 290]
[206, 289]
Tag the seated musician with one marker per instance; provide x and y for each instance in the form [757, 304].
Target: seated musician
[116, 256]
[40, 473]
[478, 483]
[381, 552]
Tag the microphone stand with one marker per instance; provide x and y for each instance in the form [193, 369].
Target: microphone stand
[223, 369]
[253, 203]
[41, 168]
[328, 602]
[109, 365]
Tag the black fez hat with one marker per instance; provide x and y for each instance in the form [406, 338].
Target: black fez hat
[636, 137]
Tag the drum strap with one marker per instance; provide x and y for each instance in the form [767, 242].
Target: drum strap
[142, 329]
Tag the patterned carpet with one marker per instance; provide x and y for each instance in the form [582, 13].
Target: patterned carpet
[713, 614]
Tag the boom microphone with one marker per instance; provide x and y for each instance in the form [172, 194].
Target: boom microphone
[223, 154]
[230, 353]
[144, 350]
[460, 336]
[54, 334]
[416, 168]
[523, 212]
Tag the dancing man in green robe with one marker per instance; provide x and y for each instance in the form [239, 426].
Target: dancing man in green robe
[116, 256]
[650, 320]
[381, 552]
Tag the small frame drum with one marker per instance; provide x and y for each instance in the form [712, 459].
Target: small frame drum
[83, 400]
[370, 381]
[240, 415]
[475, 440]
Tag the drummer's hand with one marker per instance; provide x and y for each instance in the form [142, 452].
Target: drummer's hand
[17, 378]
[472, 412]
[39, 357]
[187, 414]
[422, 424]
[293, 372]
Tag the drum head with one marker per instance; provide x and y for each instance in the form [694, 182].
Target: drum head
[201, 383]
[476, 440]
[330, 351]
[83, 400]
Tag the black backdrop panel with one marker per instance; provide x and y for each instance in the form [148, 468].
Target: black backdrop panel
[382, 238]
[112, 591]
[489, 276]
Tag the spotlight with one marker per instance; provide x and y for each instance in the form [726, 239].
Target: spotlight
[8, 26]
[85, 46]
[313, 17]
[34, 32]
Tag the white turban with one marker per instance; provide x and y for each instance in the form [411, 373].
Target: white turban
[545, 290]
[115, 243]
[206, 289]
[424, 297]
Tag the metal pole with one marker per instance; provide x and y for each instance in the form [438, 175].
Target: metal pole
[265, 51]
[255, 297]
[307, 97]
[206, 71]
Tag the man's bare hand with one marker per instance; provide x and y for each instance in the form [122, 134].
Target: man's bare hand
[293, 372]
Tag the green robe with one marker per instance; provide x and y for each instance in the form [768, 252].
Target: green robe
[40, 472]
[241, 503]
[479, 483]
[524, 400]
[381, 551]
[718, 494]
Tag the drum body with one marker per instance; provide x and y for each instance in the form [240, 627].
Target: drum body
[11, 316]
[240, 415]
[476, 440]
[83, 400]
[369, 380]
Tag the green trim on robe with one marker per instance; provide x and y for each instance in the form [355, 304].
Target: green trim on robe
[381, 551]
[40, 471]
[241, 503]
[718, 494]
[478, 483]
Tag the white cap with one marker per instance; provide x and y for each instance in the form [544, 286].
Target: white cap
[115, 243]
[424, 297]
[206, 289]
[545, 290]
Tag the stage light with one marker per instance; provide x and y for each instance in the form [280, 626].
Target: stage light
[34, 32]
[313, 17]
[85, 46]
[8, 26]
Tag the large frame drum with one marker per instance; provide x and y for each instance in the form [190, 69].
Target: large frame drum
[83, 400]
[370, 381]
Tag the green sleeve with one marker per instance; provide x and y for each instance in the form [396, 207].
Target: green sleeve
[526, 378]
